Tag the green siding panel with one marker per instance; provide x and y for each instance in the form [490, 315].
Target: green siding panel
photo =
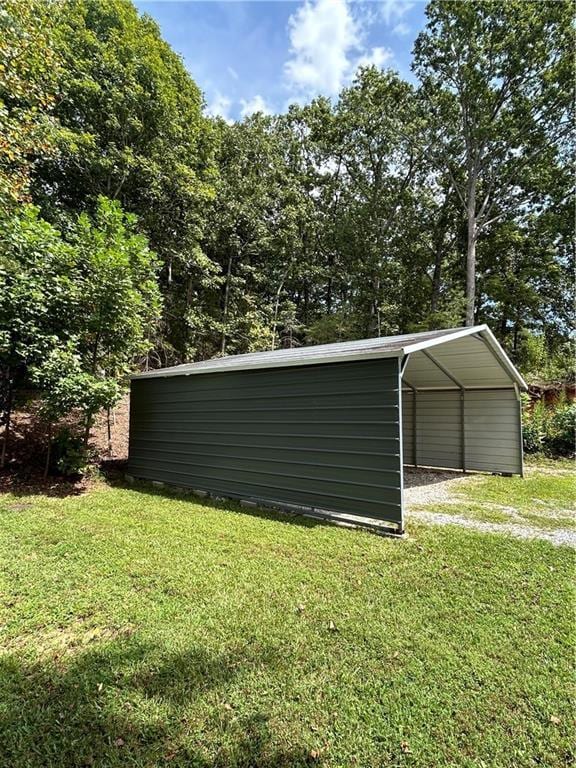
[491, 430]
[322, 436]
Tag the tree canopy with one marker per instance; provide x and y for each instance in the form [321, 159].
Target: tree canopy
[136, 230]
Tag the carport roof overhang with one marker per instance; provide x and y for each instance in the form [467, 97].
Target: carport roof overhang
[465, 358]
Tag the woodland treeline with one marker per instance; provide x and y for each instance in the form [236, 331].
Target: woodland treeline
[137, 231]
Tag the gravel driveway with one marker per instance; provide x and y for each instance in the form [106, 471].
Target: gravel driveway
[426, 488]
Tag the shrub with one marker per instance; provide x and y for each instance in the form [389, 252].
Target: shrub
[69, 456]
[551, 431]
[561, 433]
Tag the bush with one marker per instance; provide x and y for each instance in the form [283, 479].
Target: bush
[561, 434]
[69, 457]
[551, 431]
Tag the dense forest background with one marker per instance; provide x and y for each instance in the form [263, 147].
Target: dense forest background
[137, 231]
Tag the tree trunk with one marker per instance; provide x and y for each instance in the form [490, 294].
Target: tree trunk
[436, 279]
[48, 452]
[226, 301]
[109, 428]
[7, 425]
[439, 247]
[471, 252]
[87, 427]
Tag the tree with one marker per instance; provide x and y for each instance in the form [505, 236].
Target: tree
[119, 304]
[76, 309]
[29, 67]
[497, 77]
[256, 234]
[39, 302]
[132, 130]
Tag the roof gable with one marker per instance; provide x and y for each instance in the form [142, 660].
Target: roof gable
[381, 347]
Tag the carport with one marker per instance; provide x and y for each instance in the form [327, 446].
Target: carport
[326, 430]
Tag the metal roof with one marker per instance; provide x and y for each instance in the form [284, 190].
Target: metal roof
[384, 346]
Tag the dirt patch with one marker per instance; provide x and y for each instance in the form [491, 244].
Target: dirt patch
[119, 429]
[27, 446]
[432, 486]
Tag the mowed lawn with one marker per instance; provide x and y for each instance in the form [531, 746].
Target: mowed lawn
[140, 628]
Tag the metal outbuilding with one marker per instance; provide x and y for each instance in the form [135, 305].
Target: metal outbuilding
[327, 429]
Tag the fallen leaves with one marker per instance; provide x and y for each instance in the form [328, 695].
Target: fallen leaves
[555, 720]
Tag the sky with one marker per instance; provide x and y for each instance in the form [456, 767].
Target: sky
[262, 55]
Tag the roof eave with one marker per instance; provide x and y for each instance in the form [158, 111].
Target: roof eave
[451, 336]
[281, 363]
[484, 332]
[503, 358]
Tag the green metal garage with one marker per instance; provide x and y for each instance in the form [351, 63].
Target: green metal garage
[327, 429]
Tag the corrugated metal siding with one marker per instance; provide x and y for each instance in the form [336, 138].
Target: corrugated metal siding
[438, 440]
[492, 419]
[326, 436]
[408, 425]
[491, 423]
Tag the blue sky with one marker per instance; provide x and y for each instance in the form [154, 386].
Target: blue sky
[263, 55]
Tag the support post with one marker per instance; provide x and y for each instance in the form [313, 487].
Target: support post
[414, 435]
[463, 428]
[520, 431]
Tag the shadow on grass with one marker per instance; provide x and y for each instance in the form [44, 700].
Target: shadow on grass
[287, 516]
[32, 483]
[131, 704]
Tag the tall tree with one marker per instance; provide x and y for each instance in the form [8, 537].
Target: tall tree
[38, 302]
[497, 76]
[132, 129]
[29, 68]
[75, 310]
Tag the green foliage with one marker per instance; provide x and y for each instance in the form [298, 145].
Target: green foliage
[132, 130]
[75, 311]
[339, 326]
[551, 431]
[561, 437]
[65, 384]
[69, 456]
[39, 299]
[542, 359]
[29, 69]
[120, 299]
[533, 428]
[497, 80]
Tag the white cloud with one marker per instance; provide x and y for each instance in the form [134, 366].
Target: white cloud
[393, 10]
[232, 72]
[220, 107]
[322, 36]
[377, 56]
[256, 104]
[402, 29]
[327, 44]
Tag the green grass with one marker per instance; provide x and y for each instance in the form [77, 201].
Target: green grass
[538, 490]
[539, 461]
[471, 511]
[144, 629]
[543, 499]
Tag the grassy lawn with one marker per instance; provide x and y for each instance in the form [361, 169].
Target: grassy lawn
[141, 628]
[544, 499]
[539, 490]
